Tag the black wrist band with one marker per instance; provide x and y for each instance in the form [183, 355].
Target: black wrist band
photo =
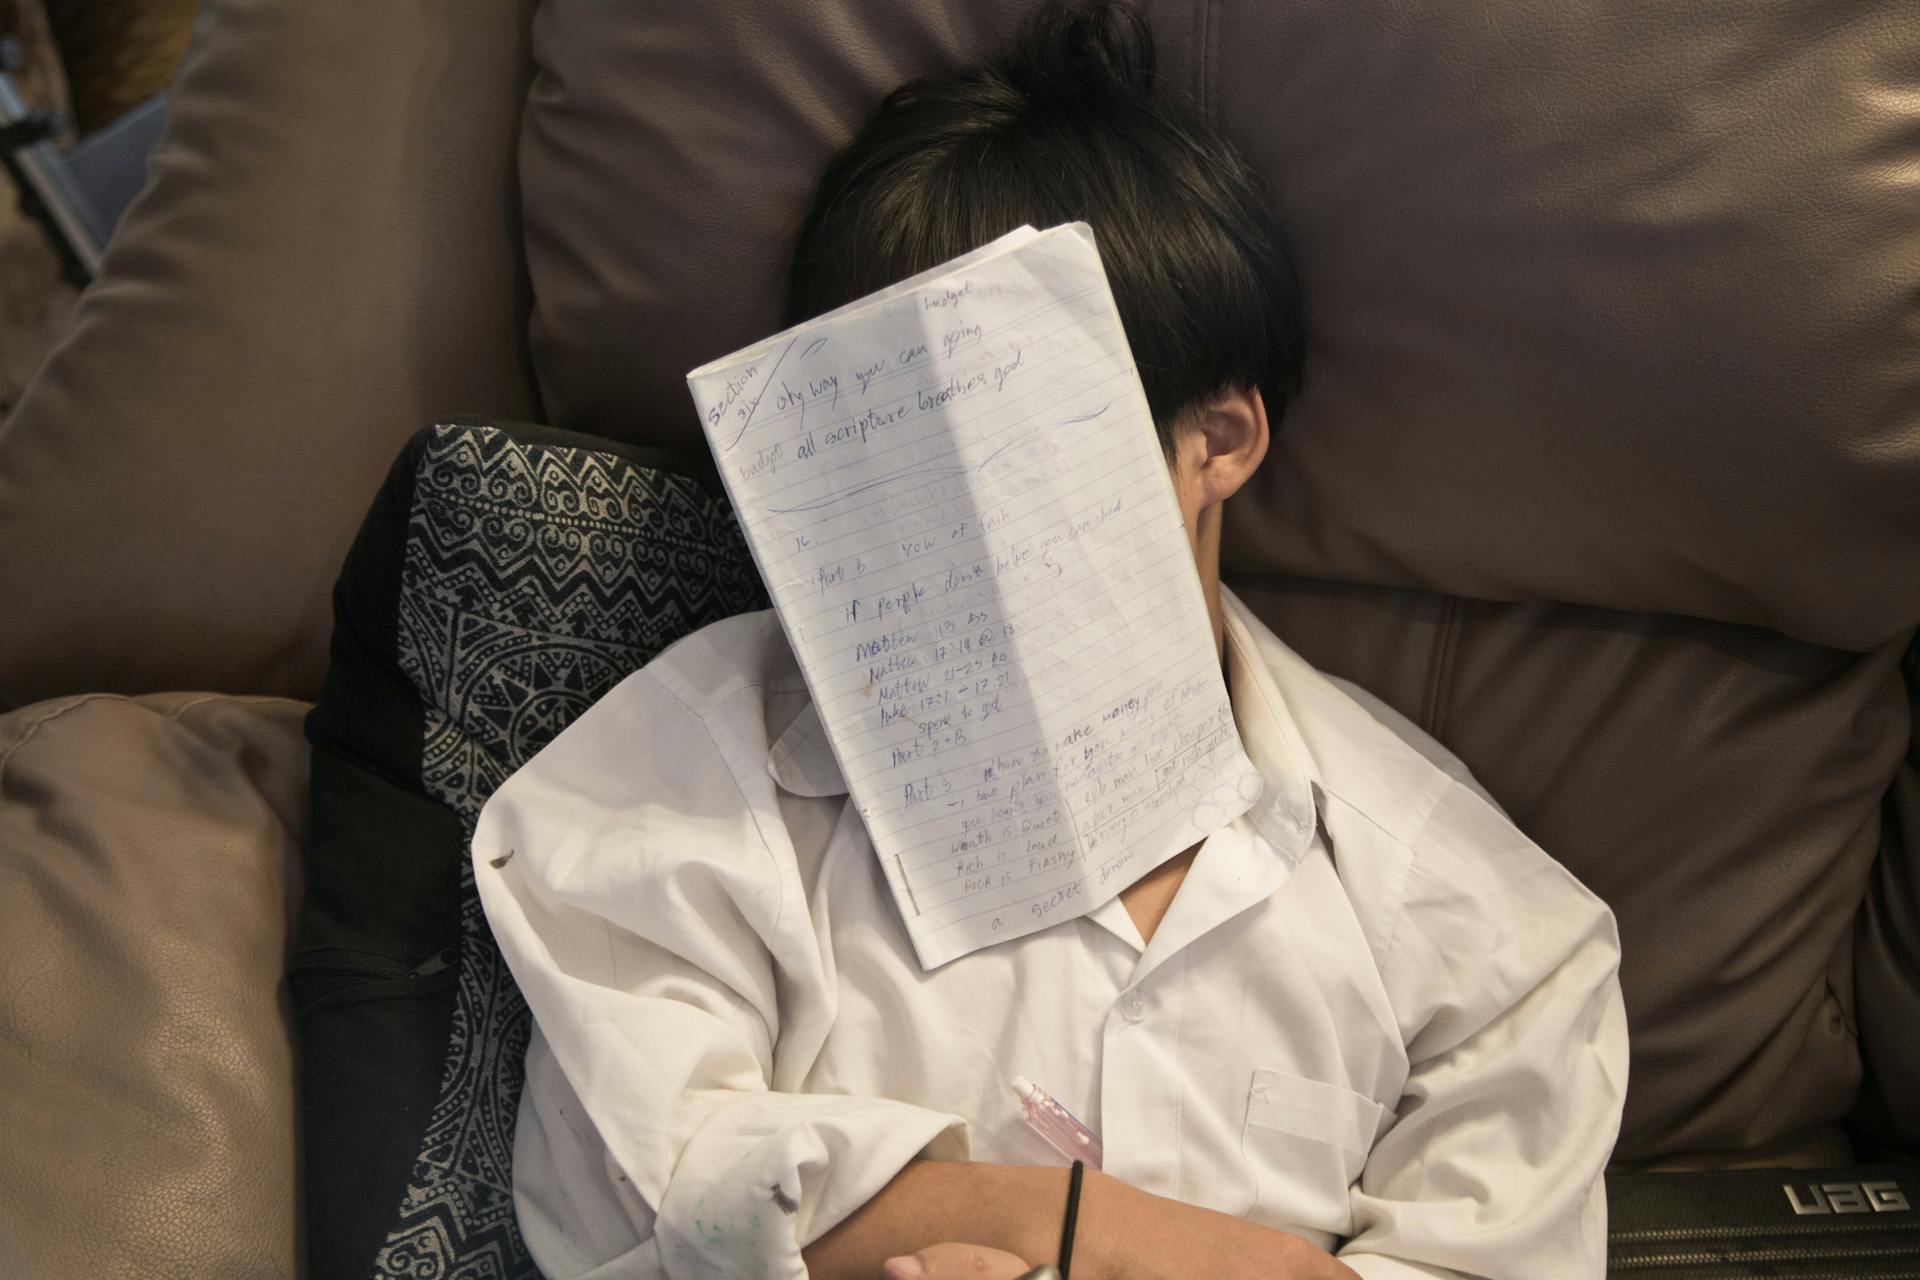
[1073, 1212]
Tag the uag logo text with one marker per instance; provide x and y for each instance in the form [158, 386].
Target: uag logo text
[1847, 1197]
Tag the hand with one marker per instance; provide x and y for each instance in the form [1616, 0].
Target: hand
[956, 1262]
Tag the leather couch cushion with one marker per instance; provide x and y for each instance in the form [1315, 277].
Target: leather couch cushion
[1719, 786]
[667, 154]
[149, 856]
[327, 255]
[1608, 301]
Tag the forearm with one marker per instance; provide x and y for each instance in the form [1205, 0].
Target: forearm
[1123, 1234]
[1012, 1207]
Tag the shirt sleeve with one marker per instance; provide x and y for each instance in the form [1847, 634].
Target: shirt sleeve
[645, 893]
[1504, 973]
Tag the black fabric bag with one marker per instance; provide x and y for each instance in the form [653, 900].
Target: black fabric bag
[505, 577]
[1856, 1223]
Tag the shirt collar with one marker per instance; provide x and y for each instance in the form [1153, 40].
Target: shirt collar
[1288, 808]
[802, 761]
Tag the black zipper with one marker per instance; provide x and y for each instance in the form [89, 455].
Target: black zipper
[369, 964]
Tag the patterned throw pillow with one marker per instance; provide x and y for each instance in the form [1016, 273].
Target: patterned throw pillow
[506, 578]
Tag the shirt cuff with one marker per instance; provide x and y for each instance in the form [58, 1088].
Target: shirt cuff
[770, 1173]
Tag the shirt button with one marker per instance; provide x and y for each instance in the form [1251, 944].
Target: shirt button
[1133, 1007]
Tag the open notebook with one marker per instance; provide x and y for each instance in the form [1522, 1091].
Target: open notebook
[955, 494]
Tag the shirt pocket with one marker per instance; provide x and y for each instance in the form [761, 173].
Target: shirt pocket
[1305, 1143]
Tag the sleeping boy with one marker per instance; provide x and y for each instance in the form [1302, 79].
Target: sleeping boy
[1365, 1029]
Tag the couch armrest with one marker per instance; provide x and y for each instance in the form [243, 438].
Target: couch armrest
[149, 858]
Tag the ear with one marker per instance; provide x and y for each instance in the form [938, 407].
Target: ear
[1218, 446]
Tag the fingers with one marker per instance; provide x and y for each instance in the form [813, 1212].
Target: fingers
[956, 1262]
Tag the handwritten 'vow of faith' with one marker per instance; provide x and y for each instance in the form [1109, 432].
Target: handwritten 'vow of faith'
[955, 494]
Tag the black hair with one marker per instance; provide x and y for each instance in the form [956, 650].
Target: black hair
[1064, 127]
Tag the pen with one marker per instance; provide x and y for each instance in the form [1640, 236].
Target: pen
[1055, 1123]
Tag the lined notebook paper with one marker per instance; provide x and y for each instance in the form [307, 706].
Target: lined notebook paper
[955, 494]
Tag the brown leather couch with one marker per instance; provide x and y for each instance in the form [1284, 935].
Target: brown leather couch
[1607, 472]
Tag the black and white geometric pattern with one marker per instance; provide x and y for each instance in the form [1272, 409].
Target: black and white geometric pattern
[536, 577]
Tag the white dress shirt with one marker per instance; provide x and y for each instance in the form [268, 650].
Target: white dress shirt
[1375, 1014]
